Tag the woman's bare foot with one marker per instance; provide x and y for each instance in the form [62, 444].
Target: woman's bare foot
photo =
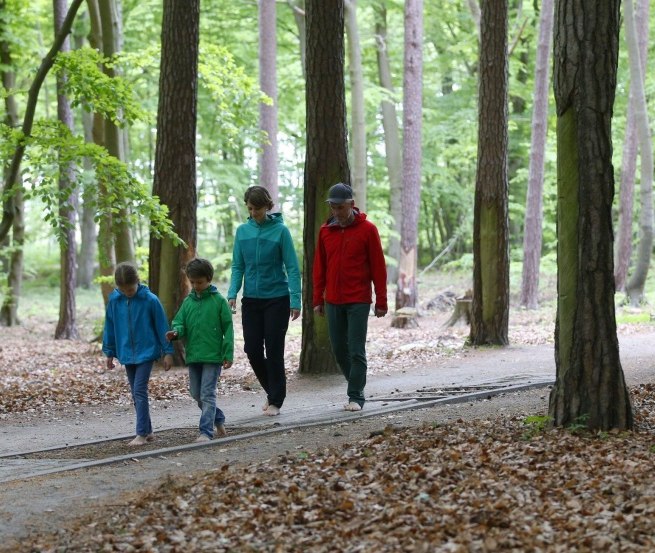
[352, 406]
[272, 411]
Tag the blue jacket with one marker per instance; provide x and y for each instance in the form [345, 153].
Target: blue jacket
[135, 328]
[265, 261]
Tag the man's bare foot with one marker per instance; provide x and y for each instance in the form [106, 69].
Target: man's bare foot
[139, 440]
[352, 406]
[265, 406]
[150, 437]
[272, 411]
[220, 431]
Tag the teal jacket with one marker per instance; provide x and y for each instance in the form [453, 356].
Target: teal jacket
[265, 261]
[204, 322]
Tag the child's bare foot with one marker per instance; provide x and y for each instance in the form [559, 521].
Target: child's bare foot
[265, 406]
[139, 440]
[202, 438]
[352, 406]
[220, 431]
[272, 411]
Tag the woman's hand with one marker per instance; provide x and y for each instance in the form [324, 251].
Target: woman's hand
[295, 313]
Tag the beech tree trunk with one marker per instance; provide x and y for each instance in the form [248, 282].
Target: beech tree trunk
[326, 161]
[532, 231]
[407, 291]
[590, 388]
[268, 84]
[490, 307]
[66, 326]
[357, 108]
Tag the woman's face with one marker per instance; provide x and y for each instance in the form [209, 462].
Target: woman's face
[257, 213]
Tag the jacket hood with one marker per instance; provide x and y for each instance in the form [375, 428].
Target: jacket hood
[210, 290]
[359, 217]
[271, 219]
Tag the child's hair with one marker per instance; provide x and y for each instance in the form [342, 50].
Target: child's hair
[198, 268]
[126, 274]
[259, 197]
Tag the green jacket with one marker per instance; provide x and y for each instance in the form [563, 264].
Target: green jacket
[205, 324]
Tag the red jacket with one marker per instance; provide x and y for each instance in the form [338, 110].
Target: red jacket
[346, 261]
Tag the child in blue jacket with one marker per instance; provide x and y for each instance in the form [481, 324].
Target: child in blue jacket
[135, 334]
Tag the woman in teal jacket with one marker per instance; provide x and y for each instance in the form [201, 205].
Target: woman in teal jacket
[264, 261]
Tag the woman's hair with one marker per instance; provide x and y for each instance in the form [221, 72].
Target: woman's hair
[126, 274]
[259, 197]
[198, 268]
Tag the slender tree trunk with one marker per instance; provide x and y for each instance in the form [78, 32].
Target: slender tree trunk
[589, 388]
[407, 291]
[623, 248]
[635, 286]
[392, 144]
[298, 9]
[9, 309]
[532, 232]
[490, 305]
[66, 327]
[175, 155]
[326, 160]
[268, 84]
[357, 108]
[112, 43]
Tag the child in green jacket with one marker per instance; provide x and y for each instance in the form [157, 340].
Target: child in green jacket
[204, 322]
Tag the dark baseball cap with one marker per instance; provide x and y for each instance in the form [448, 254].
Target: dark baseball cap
[339, 193]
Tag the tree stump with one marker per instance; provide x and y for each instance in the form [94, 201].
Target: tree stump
[462, 310]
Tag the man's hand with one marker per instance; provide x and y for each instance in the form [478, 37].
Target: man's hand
[295, 313]
[380, 312]
[168, 362]
[110, 363]
[319, 310]
[171, 335]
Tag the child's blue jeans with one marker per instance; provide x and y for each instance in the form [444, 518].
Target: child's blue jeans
[202, 385]
[138, 377]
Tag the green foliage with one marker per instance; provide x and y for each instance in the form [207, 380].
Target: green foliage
[535, 425]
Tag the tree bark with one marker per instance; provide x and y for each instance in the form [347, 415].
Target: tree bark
[268, 85]
[392, 145]
[66, 326]
[623, 248]
[635, 286]
[407, 291]
[326, 160]
[175, 153]
[532, 231]
[357, 108]
[590, 388]
[490, 307]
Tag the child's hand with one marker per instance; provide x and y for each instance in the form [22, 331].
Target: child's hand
[227, 364]
[171, 335]
[168, 362]
[110, 363]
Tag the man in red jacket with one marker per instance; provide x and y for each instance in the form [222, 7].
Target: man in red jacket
[348, 258]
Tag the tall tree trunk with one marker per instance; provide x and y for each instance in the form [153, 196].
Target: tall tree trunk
[635, 286]
[9, 309]
[326, 160]
[490, 305]
[407, 291]
[268, 84]
[623, 248]
[66, 326]
[112, 43]
[357, 108]
[392, 145]
[298, 9]
[175, 154]
[532, 232]
[589, 388]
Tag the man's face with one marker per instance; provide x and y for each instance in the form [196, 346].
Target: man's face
[199, 284]
[342, 212]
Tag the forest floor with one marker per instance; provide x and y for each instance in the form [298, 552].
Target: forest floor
[480, 476]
